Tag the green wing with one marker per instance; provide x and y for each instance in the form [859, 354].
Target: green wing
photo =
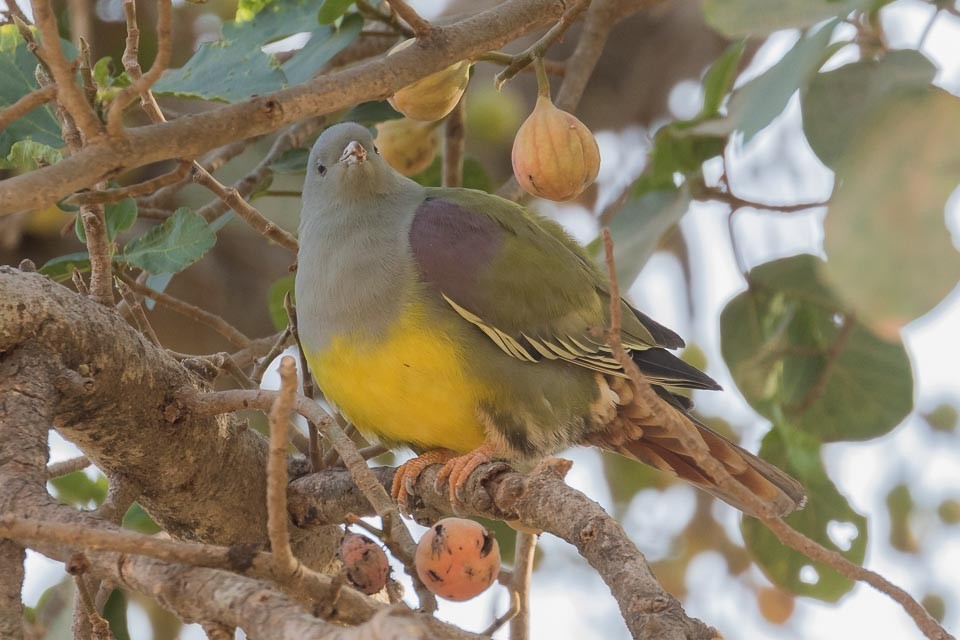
[524, 282]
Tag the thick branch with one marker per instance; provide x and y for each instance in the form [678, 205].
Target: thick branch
[201, 479]
[542, 502]
[190, 137]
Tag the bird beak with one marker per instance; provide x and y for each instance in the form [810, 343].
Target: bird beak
[354, 153]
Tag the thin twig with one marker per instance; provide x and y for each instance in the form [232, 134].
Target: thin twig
[315, 460]
[98, 247]
[815, 551]
[553, 67]
[421, 28]
[85, 68]
[99, 626]
[26, 104]
[510, 615]
[277, 516]
[263, 363]
[65, 467]
[712, 193]
[211, 320]
[231, 197]
[454, 144]
[142, 84]
[540, 47]
[139, 315]
[133, 191]
[69, 93]
[520, 585]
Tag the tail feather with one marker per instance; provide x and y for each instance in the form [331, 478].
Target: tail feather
[652, 436]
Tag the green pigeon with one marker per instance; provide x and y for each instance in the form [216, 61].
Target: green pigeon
[467, 328]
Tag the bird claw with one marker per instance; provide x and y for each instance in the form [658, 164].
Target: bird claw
[456, 472]
[405, 478]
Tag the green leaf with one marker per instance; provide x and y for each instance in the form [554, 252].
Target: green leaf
[900, 507]
[17, 66]
[332, 9]
[78, 489]
[474, 175]
[793, 358]
[677, 149]
[172, 246]
[225, 72]
[119, 216]
[60, 269]
[740, 18]
[280, 288]
[837, 102]
[235, 68]
[27, 155]
[139, 520]
[943, 418]
[638, 227]
[758, 102]
[828, 510]
[890, 254]
[719, 78]
[325, 42]
[370, 113]
[115, 612]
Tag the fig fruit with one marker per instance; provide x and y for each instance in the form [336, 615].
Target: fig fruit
[365, 563]
[457, 559]
[433, 97]
[407, 146]
[554, 154]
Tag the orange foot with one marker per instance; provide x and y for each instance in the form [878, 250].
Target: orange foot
[407, 473]
[456, 471]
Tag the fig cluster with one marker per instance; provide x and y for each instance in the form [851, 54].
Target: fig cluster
[555, 156]
[457, 559]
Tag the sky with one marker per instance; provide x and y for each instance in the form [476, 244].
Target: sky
[777, 166]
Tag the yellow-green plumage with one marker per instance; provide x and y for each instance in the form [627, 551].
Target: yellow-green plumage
[450, 318]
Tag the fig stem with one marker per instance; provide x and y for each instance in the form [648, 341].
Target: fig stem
[543, 82]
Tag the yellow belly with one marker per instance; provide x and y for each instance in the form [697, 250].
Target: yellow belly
[410, 387]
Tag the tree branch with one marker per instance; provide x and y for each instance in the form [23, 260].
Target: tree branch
[142, 83]
[540, 502]
[26, 104]
[190, 137]
[421, 28]
[277, 515]
[68, 92]
[454, 143]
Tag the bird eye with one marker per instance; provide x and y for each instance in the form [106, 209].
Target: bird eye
[322, 170]
[375, 150]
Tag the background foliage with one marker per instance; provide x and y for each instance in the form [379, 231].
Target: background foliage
[813, 341]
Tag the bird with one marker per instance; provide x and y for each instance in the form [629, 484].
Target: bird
[467, 328]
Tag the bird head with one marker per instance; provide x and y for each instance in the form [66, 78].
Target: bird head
[345, 167]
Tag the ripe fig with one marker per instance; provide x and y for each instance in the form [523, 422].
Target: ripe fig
[406, 145]
[433, 97]
[554, 154]
[457, 559]
[365, 563]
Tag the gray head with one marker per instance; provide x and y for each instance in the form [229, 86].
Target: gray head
[345, 168]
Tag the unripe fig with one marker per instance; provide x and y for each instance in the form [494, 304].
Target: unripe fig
[364, 562]
[775, 605]
[433, 97]
[457, 559]
[554, 155]
[406, 145]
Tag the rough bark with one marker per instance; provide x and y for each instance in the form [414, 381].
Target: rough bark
[202, 479]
